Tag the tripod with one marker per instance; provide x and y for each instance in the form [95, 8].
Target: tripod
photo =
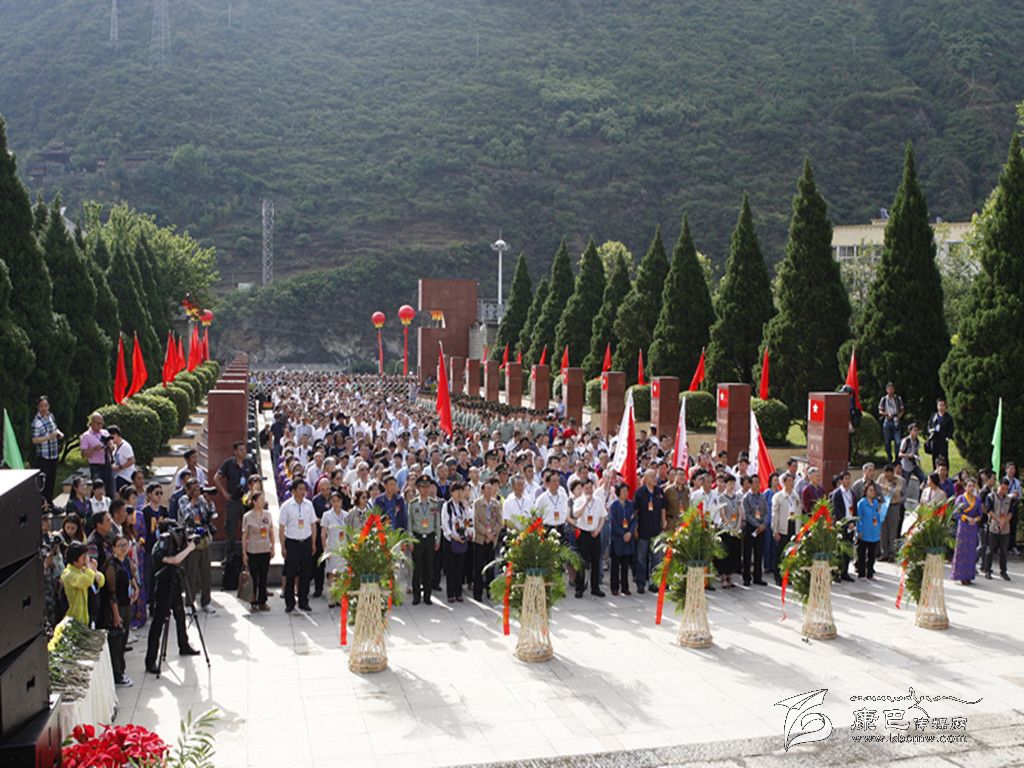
[179, 581]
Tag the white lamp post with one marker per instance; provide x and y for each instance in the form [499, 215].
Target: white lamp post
[500, 246]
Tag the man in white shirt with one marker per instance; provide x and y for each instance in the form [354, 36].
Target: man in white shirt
[296, 520]
[532, 489]
[785, 508]
[122, 458]
[315, 470]
[553, 503]
[518, 504]
[589, 516]
[192, 467]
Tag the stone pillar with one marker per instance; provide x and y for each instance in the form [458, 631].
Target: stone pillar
[514, 384]
[572, 392]
[226, 424]
[472, 377]
[456, 374]
[828, 433]
[541, 387]
[491, 380]
[665, 404]
[733, 425]
[613, 401]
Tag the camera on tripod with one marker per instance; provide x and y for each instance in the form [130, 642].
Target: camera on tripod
[176, 536]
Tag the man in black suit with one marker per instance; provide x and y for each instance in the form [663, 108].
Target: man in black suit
[844, 505]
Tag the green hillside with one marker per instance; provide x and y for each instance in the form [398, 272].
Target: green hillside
[383, 129]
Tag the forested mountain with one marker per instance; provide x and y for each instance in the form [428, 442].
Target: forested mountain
[421, 127]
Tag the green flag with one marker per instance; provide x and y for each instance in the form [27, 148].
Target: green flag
[997, 442]
[12, 457]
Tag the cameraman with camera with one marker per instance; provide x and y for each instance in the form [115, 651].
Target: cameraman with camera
[196, 513]
[169, 552]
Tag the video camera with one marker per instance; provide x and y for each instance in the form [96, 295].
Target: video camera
[176, 537]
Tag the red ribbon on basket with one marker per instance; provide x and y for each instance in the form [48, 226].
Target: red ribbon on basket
[664, 580]
[391, 590]
[507, 600]
[904, 563]
[821, 511]
[344, 619]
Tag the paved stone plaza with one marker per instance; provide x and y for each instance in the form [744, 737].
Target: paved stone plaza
[455, 694]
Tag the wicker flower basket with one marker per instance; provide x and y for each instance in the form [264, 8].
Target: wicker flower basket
[694, 631]
[818, 621]
[369, 649]
[931, 608]
[534, 644]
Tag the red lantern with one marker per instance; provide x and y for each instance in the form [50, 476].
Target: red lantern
[405, 314]
[378, 319]
[206, 317]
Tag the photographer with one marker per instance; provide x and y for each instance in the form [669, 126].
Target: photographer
[196, 511]
[169, 552]
[94, 444]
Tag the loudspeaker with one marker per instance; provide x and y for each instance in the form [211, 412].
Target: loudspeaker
[37, 743]
[20, 512]
[21, 603]
[24, 680]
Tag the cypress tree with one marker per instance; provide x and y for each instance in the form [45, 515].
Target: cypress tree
[744, 305]
[638, 312]
[983, 363]
[106, 307]
[16, 359]
[813, 320]
[40, 215]
[74, 291]
[101, 254]
[577, 320]
[684, 323]
[131, 310]
[602, 331]
[526, 335]
[152, 294]
[31, 299]
[560, 288]
[516, 310]
[902, 336]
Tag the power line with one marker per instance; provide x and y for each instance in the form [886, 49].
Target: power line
[113, 23]
[268, 240]
[160, 40]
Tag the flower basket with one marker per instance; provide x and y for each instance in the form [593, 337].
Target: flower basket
[132, 745]
[688, 555]
[532, 565]
[922, 563]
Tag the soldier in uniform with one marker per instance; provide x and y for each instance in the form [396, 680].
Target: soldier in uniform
[424, 523]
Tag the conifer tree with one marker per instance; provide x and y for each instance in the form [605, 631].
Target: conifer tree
[686, 316]
[512, 322]
[101, 253]
[132, 312]
[16, 359]
[526, 335]
[560, 288]
[983, 364]
[157, 301]
[903, 336]
[638, 312]
[106, 306]
[602, 332]
[574, 327]
[74, 291]
[744, 305]
[31, 299]
[40, 216]
[813, 321]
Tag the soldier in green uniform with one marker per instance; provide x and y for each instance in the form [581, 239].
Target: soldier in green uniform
[424, 524]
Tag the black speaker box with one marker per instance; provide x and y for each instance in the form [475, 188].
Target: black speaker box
[21, 603]
[24, 680]
[36, 744]
[20, 511]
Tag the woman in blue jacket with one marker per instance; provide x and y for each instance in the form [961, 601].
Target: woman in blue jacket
[622, 521]
[871, 513]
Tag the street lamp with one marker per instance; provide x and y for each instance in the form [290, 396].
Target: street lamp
[500, 246]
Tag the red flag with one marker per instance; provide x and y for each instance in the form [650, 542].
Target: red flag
[681, 451]
[640, 367]
[193, 349]
[179, 361]
[624, 460]
[607, 364]
[504, 358]
[519, 357]
[206, 344]
[760, 461]
[444, 403]
[120, 376]
[139, 372]
[698, 375]
[543, 356]
[851, 378]
[763, 391]
[816, 410]
[170, 358]
[565, 358]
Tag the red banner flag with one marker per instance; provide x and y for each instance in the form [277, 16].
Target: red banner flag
[640, 368]
[851, 378]
[504, 358]
[519, 356]
[624, 459]
[170, 358]
[698, 375]
[543, 356]
[607, 364]
[180, 360]
[193, 349]
[444, 403]
[139, 372]
[763, 390]
[565, 358]
[120, 375]
[206, 344]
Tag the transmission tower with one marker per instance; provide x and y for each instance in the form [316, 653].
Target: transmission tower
[160, 41]
[113, 23]
[268, 241]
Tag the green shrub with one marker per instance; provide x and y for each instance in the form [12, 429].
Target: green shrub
[195, 386]
[180, 396]
[593, 396]
[139, 425]
[641, 401]
[867, 439]
[204, 376]
[165, 409]
[214, 367]
[773, 418]
[701, 409]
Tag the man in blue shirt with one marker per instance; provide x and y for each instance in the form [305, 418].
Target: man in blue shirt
[392, 504]
[649, 502]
